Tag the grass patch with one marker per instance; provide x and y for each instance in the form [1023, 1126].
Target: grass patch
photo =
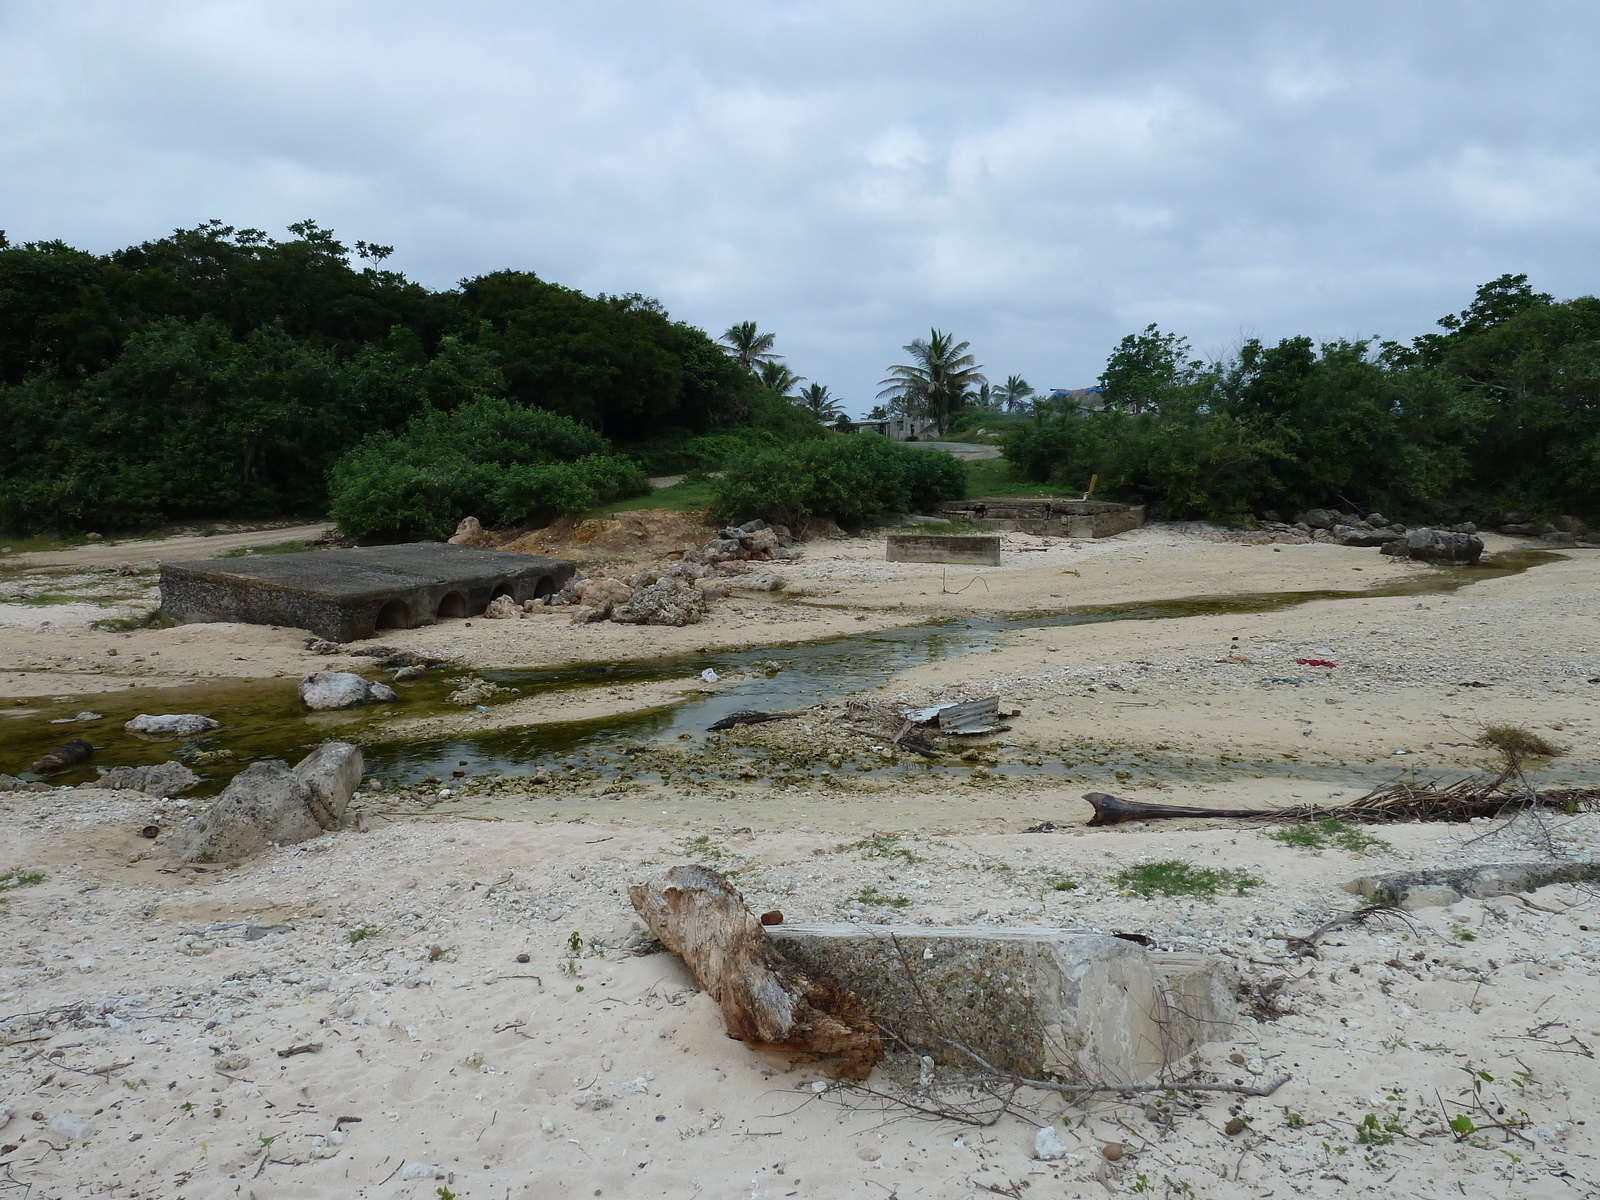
[1055, 881]
[1174, 877]
[994, 477]
[361, 933]
[17, 878]
[701, 849]
[871, 895]
[1328, 834]
[275, 548]
[881, 845]
[682, 497]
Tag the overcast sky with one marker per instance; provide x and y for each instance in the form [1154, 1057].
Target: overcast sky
[1038, 177]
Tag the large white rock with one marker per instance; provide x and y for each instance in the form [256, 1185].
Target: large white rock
[172, 724]
[341, 689]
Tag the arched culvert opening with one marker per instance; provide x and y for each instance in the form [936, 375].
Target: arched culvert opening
[545, 587]
[394, 615]
[505, 589]
[454, 604]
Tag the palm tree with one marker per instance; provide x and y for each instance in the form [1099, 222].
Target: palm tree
[816, 401]
[938, 380]
[1014, 393]
[749, 347]
[778, 377]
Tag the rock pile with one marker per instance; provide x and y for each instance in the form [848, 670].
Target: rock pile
[678, 592]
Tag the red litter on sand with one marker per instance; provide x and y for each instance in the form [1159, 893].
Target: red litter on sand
[1315, 662]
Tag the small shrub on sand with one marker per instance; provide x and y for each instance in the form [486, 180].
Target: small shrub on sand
[1516, 743]
[1174, 877]
[1330, 833]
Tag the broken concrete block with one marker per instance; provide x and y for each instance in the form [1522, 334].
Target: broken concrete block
[981, 549]
[162, 779]
[346, 595]
[266, 804]
[1077, 1006]
[1431, 886]
[333, 772]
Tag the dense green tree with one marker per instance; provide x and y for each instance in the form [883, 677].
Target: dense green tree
[937, 381]
[777, 378]
[1145, 368]
[748, 346]
[1014, 393]
[816, 401]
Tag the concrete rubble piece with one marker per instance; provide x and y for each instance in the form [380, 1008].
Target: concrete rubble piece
[982, 550]
[1440, 887]
[268, 803]
[347, 595]
[1081, 1007]
[1046, 517]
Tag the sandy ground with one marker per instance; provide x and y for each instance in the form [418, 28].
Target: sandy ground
[605, 1073]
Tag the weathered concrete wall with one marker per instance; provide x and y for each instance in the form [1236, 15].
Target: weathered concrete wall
[974, 549]
[1048, 517]
[1074, 1005]
[347, 595]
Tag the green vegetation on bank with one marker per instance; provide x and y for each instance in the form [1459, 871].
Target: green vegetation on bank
[849, 478]
[219, 372]
[1500, 411]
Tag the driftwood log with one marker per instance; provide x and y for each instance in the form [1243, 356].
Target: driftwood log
[1400, 800]
[750, 716]
[767, 1002]
[59, 759]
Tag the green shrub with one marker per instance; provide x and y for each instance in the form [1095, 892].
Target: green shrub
[1330, 832]
[1174, 877]
[850, 478]
[493, 458]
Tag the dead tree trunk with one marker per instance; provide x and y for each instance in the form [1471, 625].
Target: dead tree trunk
[767, 1002]
[62, 757]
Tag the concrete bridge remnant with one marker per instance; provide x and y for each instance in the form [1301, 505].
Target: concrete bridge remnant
[348, 595]
[1046, 517]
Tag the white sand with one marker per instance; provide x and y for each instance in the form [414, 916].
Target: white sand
[445, 1068]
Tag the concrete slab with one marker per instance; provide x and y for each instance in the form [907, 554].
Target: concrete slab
[1077, 1006]
[347, 595]
[1048, 517]
[970, 549]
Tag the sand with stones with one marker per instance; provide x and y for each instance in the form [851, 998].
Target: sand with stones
[160, 1023]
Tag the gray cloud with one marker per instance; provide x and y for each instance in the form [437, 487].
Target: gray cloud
[1039, 177]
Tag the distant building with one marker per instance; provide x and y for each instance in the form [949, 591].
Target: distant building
[1089, 399]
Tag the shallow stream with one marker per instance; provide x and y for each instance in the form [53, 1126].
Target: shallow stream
[264, 718]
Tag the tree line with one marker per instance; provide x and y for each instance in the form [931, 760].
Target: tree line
[1498, 411]
[223, 372]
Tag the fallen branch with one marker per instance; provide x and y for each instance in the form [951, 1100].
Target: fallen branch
[1399, 800]
[69, 754]
[767, 1002]
[750, 716]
